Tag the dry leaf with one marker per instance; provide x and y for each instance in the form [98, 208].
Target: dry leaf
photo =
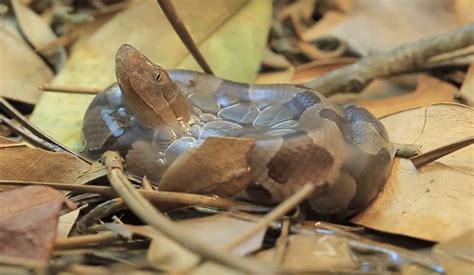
[28, 221]
[38, 34]
[434, 203]
[21, 70]
[165, 253]
[345, 6]
[66, 222]
[311, 253]
[464, 11]
[467, 88]
[330, 20]
[23, 163]
[217, 230]
[218, 167]
[456, 255]
[221, 229]
[385, 24]
[429, 90]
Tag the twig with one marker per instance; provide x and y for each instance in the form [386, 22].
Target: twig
[282, 242]
[102, 210]
[425, 158]
[355, 77]
[147, 213]
[27, 135]
[276, 213]
[155, 197]
[85, 240]
[69, 89]
[183, 33]
[13, 113]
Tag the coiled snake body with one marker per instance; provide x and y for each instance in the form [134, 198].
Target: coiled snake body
[152, 116]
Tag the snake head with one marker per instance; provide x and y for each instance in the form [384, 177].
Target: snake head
[148, 90]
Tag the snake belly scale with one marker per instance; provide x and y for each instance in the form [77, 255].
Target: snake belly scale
[151, 116]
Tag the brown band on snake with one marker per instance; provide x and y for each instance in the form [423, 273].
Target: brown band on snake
[156, 115]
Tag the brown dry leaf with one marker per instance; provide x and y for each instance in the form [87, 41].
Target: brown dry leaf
[311, 253]
[345, 6]
[330, 20]
[456, 255]
[163, 252]
[429, 90]
[23, 163]
[467, 88]
[217, 230]
[38, 33]
[28, 221]
[221, 229]
[66, 222]
[385, 24]
[218, 167]
[21, 71]
[435, 202]
[464, 10]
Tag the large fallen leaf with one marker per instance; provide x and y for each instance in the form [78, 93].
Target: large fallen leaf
[230, 34]
[467, 88]
[430, 90]
[218, 167]
[310, 253]
[30, 164]
[385, 24]
[456, 255]
[435, 202]
[38, 33]
[463, 10]
[28, 221]
[21, 70]
[217, 230]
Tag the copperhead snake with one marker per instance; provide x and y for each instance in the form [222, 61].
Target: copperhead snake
[300, 136]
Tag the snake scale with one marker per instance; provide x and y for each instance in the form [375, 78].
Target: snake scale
[151, 116]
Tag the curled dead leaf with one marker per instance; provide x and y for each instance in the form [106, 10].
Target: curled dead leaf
[28, 221]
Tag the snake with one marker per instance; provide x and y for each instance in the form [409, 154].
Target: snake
[152, 116]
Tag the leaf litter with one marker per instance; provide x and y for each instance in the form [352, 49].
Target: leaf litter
[425, 210]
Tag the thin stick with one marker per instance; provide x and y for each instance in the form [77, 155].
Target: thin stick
[8, 109]
[282, 242]
[69, 89]
[27, 135]
[148, 214]
[183, 33]
[84, 240]
[355, 77]
[425, 158]
[153, 196]
[276, 213]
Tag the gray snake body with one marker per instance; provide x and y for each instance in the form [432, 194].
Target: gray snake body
[300, 136]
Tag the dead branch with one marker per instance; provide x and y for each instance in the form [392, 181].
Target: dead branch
[183, 34]
[355, 77]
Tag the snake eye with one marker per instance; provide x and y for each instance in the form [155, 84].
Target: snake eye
[158, 75]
